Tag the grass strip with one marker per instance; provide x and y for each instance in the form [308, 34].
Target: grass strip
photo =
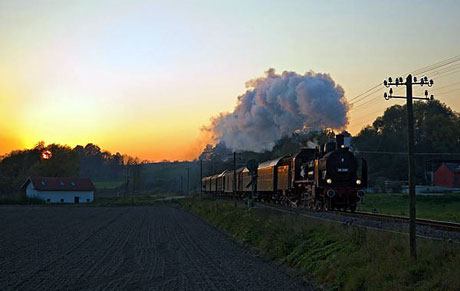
[338, 257]
[438, 207]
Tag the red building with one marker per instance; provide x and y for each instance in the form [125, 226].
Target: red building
[447, 175]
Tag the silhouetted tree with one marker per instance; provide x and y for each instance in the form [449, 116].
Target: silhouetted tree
[437, 130]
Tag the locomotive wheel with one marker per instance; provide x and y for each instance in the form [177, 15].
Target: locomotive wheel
[352, 208]
[326, 206]
[318, 205]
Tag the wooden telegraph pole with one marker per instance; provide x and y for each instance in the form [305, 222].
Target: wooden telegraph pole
[410, 144]
[252, 167]
[235, 156]
[201, 178]
[188, 180]
[234, 179]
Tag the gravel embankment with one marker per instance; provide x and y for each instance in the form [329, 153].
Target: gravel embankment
[129, 248]
[422, 231]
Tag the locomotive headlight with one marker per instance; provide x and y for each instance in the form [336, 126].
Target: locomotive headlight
[329, 181]
[358, 182]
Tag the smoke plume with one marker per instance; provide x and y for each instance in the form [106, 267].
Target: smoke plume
[278, 105]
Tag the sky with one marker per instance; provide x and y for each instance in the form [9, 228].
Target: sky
[143, 77]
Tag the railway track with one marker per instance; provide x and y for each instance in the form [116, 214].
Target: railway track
[443, 225]
[434, 224]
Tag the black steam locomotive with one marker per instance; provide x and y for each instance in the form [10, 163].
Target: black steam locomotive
[322, 178]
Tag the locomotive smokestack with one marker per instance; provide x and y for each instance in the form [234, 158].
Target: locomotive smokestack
[277, 105]
[340, 138]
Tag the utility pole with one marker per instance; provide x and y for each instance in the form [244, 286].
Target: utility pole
[188, 180]
[201, 178]
[127, 180]
[252, 166]
[410, 144]
[234, 176]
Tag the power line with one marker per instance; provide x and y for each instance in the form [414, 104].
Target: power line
[369, 101]
[417, 72]
[450, 85]
[444, 70]
[448, 92]
[354, 98]
[448, 73]
[375, 89]
[367, 115]
[362, 105]
[363, 98]
[436, 65]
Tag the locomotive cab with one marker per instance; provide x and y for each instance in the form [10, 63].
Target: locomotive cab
[303, 165]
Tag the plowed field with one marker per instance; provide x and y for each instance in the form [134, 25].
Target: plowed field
[129, 248]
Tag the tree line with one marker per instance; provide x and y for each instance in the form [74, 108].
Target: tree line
[88, 161]
[382, 143]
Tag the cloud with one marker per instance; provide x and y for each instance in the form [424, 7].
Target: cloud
[278, 105]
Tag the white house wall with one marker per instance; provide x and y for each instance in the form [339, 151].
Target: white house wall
[30, 191]
[56, 196]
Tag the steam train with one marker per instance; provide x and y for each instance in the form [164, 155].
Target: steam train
[322, 178]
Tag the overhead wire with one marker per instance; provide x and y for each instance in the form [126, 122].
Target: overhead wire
[443, 87]
[363, 105]
[436, 65]
[357, 97]
[372, 96]
[364, 116]
[370, 93]
[448, 73]
[444, 70]
[448, 92]
[422, 70]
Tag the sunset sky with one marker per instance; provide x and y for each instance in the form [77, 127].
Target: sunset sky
[142, 77]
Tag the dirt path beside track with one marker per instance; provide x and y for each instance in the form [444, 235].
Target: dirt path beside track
[128, 248]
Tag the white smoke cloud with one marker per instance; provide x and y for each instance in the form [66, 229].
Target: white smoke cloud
[277, 105]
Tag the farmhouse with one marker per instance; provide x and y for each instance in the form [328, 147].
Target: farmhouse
[60, 190]
[448, 175]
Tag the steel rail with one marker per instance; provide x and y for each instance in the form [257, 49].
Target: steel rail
[443, 225]
[435, 224]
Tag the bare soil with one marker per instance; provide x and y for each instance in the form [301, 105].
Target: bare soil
[129, 248]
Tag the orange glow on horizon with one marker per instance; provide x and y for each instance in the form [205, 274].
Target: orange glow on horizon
[160, 145]
[142, 77]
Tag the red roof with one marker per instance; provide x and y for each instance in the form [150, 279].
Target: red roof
[60, 184]
[453, 167]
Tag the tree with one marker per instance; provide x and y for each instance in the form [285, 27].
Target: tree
[437, 130]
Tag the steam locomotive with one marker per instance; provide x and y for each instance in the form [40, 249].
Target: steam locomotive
[326, 177]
